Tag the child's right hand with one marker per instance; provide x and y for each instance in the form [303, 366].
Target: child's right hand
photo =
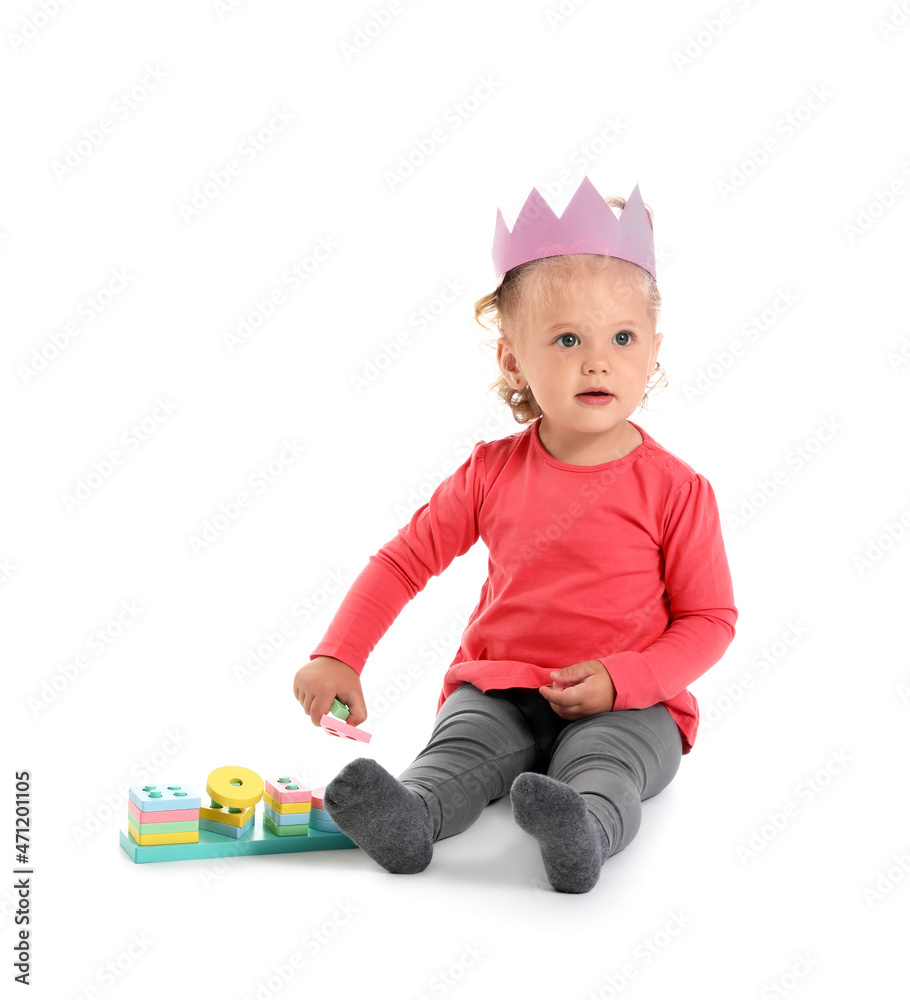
[318, 683]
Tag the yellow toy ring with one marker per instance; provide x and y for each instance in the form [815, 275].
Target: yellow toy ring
[234, 787]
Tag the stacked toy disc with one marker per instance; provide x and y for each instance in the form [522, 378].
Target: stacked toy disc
[234, 792]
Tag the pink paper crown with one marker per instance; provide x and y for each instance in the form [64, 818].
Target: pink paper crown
[588, 225]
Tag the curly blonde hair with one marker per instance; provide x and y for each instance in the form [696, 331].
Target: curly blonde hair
[539, 281]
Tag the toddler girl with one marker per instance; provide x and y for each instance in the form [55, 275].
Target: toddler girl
[608, 589]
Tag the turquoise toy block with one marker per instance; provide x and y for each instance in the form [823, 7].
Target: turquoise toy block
[259, 840]
[320, 820]
[324, 828]
[162, 798]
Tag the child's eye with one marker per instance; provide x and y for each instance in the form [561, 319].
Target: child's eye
[628, 336]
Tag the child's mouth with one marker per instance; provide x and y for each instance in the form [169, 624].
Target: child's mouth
[595, 398]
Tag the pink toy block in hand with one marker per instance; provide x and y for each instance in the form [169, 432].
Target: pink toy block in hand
[335, 727]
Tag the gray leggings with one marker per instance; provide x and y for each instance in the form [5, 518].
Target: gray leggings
[482, 741]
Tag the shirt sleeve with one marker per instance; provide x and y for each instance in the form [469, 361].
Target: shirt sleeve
[446, 526]
[702, 612]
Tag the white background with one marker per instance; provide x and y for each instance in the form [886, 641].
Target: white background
[678, 97]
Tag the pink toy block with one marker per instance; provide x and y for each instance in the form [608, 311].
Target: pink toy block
[317, 797]
[282, 789]
[165, 816]
[335, 727]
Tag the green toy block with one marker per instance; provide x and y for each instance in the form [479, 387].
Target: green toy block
[186, 826]
[292, 830]
[339, 710]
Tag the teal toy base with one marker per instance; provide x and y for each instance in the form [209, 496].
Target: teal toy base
[259, 840]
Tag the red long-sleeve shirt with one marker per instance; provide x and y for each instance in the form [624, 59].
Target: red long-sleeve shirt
[621, 562]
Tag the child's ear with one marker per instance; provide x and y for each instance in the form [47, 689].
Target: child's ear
[658, 340]
[505, 358]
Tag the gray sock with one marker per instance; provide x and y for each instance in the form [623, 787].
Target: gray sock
[573, 844]
[383, 817]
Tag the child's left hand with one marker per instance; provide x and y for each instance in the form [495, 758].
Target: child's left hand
[580, 690]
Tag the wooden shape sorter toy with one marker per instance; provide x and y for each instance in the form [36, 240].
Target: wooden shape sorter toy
[169, 822]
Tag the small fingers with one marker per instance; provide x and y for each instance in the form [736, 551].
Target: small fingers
[569, 714]
[564, 699]
[356, 706]
[310, 709]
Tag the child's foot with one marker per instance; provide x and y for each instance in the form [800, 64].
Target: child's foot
[573, 844]
[387, 820]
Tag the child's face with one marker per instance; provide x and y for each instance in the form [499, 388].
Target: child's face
[599, 333]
